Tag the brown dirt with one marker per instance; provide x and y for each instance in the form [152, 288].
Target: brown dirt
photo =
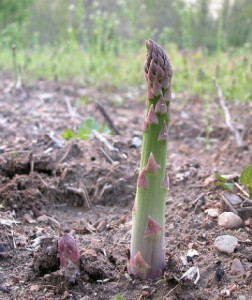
[48, 185]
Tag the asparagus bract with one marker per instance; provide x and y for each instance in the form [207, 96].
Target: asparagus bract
[147, 255]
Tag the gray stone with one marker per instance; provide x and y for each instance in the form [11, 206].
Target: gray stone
[229, 220]
[136, 142]
[237, 267]
[212, 212]
[233, 198]
[226, 243]
[242, 297]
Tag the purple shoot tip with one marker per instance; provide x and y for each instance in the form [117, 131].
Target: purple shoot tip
[152, 166]
[163, 135]
[68, 251]
[157, 88]
[152, 230]
[142, 181]
[161, 106]
[139, 266]
[151, 117]
[167, 95]
[165, 183]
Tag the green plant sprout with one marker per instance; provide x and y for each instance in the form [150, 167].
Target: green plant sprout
[246, 178]
[84, 131]
[118, 297]
[147, 254]
[223, 182]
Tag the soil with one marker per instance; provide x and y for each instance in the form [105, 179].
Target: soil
[49, 185]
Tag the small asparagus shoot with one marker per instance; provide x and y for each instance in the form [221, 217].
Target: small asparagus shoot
[147, 254]
[69, 256]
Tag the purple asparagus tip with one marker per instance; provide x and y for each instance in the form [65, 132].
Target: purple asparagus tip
[68, 250]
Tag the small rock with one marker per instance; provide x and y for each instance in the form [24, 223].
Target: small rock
[226, 243]
[233, 198]
[241, 297]
[219, 273]
[229, 220]
[193, 246]
[225, 293]
[101, 226]
[237, 267]
[184, 149]
[136, 142]
[212, 212]
[42, 218]
[65, 295]
[248, 223]
[28, 219]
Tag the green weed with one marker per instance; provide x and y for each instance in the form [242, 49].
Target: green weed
[84, 131]
[193, 70]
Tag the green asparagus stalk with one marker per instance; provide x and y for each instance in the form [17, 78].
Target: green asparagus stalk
[147, 254]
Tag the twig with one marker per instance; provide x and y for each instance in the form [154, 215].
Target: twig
[172, 290]
[31, 160]
[109, 159]
[245, 212]
[238, 137]
[14, 61]
[82, 192]
[15, 152]
[241, 189]
[195, 202]
[69, 107]
[107, 118]
[246, 200]
[57, 143]
[229, 205]
[55, 222]
[102, 139]
[245, 242]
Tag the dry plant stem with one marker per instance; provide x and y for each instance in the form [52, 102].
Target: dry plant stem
[241, 189]
[103, 140]
[14, 60]
[238, 137]
[147, 242]
[70, 109]
[107, 118]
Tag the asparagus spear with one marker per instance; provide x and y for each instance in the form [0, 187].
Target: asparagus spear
[147, 256]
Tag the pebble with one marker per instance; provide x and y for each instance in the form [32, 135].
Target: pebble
[242, 297]
[212, 212]
[42, 218]
[226, 243]
[233, 198]
[237, 267]
[229, 220]
[136, 142]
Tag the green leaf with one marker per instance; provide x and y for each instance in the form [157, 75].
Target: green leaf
[220, 178]
[118, 297]
[68, 134]
[250, 192]
[85, 100]
[246, 176]
[84, 131]
[226, 186]
[89, 123]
